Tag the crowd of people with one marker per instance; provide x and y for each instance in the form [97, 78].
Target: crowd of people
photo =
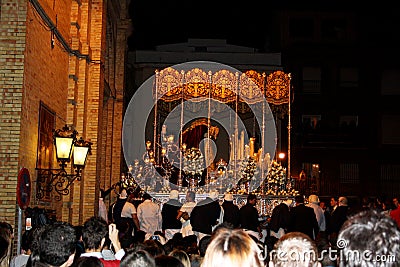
[300, 232]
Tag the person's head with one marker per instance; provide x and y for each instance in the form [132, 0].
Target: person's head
[137, 258]
[3, 247]
[26, 241]
[181, 255]
[123, 194]
[146, 196]
[88, 262]
[214, 194]
[35, 245]
[299, 199]
[294, 249]
[333, 202]
[395, 202]
[313, 199]
[195, 260]
[190, 244]
[288, 202]
[7, 229]
[190, 196]
[203, 244]
[57, 244]
[174, 194]
[228, 197]
[6, 234]
[252, 199]
[94, 232]
[154, 247]
[167, 261]
[342, 201]
[369, 232]
[234, 248]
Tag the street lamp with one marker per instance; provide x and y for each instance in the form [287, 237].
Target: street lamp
[58, 180]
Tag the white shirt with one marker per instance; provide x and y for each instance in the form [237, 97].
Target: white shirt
[128, 210]
[19, 260]
[103, 210]
[118, 256]
[319, 213]
[188, 207]
[149, 215]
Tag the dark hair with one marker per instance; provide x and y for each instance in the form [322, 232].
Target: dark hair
[203, 244]
[299, 199]
[7, 226]
[26, 239]
[88, 262]
[154, 247]
[192, 195]
[6, 234]
[94, 230]
[371, 231]
[36, 232]
[170, 261]
[57, 243]
[251, 197]
[146, 196]
[137, 258]
[3, 247]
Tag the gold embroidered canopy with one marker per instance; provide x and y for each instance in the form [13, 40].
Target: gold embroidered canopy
[223, 85]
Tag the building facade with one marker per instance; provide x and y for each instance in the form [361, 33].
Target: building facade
[62, 64]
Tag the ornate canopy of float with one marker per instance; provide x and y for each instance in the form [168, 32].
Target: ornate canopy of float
[210, 129]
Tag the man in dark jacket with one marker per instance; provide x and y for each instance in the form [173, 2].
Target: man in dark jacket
[338, 217]
[280, 218]
[303, 219]
[205, 215]
[169, 212]
[248, 215]
[231, 211]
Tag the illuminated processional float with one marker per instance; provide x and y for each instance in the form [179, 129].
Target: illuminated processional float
[206, 126]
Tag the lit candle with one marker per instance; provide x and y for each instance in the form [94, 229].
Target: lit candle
[246, 150]
[241, 146]
[164, 129]
[252, 141]
[231, 157]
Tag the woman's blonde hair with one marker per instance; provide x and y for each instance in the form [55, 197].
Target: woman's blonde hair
[234, 248]
[182, 256]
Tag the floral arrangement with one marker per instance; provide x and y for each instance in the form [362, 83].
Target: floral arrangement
[247, 172]
[248, 169]
[277, 183]
[276, 175]
[193, 162]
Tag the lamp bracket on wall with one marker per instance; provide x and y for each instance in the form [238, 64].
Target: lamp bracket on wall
[55, 180]
[59, 181]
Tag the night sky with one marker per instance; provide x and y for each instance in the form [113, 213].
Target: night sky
[175, 21]
[240, 23]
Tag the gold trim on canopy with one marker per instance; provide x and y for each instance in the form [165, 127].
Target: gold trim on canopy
[251, 87]
[224, 84]
[278, 86]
